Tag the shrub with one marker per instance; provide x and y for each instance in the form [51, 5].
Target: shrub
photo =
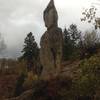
[89, 80]
[89, 44]
[91, 66]
[22, 67]
[28, 83]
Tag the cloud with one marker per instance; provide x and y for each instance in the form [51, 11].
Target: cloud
[23, 20]
[19, 17]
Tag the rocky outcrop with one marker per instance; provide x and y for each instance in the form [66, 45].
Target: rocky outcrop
[25, 96]
[47, 90]
[51, 41]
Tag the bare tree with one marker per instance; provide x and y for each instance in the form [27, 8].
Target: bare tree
[89, 15]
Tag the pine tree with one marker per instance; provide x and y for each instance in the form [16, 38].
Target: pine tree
[71, 40]
[30, 51]
[74, 34]
[67, 46]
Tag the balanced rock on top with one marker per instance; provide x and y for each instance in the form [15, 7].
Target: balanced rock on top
[50, 15]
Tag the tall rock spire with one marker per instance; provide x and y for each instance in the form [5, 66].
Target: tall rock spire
[50, 15]
[51, 4]
[51, 42]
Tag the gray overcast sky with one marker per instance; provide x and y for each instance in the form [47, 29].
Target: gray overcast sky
[19, 17]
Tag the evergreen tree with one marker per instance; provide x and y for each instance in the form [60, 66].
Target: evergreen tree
[68, 45]
[74, 34]
[30, 51]
[71, 39]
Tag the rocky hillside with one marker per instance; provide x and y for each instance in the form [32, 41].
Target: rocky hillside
[7, 85]
[79, 80]
[8, 81]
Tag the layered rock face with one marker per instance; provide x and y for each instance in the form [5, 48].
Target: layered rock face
[51, 41]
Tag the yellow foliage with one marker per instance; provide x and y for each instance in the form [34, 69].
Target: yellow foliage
[31, 77]
[22, 67]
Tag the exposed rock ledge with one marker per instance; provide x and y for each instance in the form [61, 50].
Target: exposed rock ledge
[25, 96]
